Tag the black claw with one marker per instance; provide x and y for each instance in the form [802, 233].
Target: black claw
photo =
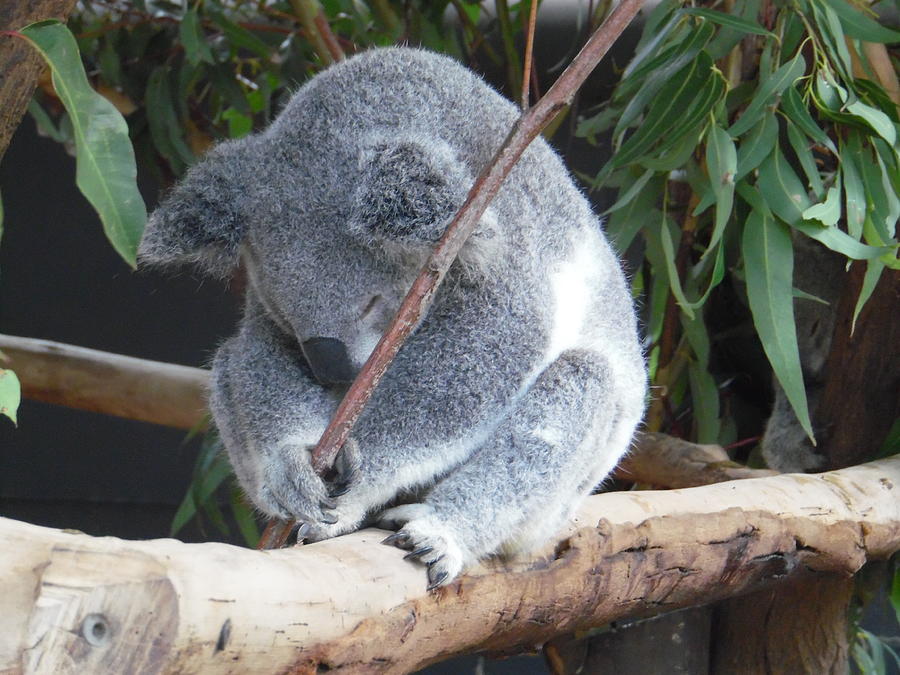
[339, 490]
[327, 503]
[434, 580]
[303, 530]
[328, 518]
[435, 561]
[422, 550]
[398, 538]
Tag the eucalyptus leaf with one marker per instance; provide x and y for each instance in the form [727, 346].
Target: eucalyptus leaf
[776, 83]
[721, 163]
[804, 155]
[757, 145]
[784, 193]
[880, 123]
[628, 194]
[729, 20]
[705, 398]
[798, 113]
[827, 212]
[10, 394]
[874, 268]
[859, 26]
[668, 248]
[768, 269]
[105, 168]
[854, 188]
[639, 214]
[192, 38]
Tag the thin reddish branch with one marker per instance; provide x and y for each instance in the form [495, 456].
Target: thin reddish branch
[417, 301]
[529, 47]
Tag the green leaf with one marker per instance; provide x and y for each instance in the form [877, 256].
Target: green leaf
[757, 145]
[661, 71]
[668, 248]
[687, 99]
[765, 95]
[10, 394]
[640, 213]
[859, 26]
[105, 168]
[768, 268]
[880, 123]
[784, 193]
[804, 155]
[164, 126]
[895, 588]
[630, 193]
[797, 112]
[243, 516]
[239, 125]
[44, 124]
[238, 36]
[729, 20]
[873, 273]
[192, 38]
[721, 163]
[827, 212]
[705, 397]
[833, 38]
[841, 242]
[854, 188]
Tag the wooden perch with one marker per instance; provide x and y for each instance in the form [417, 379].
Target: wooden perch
[149, 391]
[74, 603]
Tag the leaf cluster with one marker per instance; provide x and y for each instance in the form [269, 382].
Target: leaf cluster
[735, 132]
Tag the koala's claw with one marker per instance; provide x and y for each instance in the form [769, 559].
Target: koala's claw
[328, 519]
[303, 530]
[339, 490]
[422, 550]
[435, 578]
[327, 503]
[398, 539]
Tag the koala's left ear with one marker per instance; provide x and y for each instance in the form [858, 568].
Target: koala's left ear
[201, 220]
[409, 188]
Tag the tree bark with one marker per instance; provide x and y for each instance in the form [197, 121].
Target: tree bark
[798, 627]
[74, 603]
[20, 64]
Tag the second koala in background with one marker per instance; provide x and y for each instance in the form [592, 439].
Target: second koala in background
[516, 394]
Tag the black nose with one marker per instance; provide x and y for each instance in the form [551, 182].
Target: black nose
[329, 360]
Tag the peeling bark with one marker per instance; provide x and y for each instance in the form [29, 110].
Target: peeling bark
[20, 64]
[351, 605]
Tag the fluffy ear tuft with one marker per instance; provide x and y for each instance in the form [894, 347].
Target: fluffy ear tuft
[409, 188]
[201, 220]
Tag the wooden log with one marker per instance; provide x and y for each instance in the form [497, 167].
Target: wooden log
[76, 377]
[74, 603]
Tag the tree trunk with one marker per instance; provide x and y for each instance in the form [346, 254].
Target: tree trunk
[74, 603]
[797, 627]
[20, 64]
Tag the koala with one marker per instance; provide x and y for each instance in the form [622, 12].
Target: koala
[515, 395]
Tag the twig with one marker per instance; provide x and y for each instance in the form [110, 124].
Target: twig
[417, 301]
[529, 46]
[323, 40]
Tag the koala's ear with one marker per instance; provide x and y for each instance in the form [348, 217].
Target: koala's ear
[409, 188]
[201, 220]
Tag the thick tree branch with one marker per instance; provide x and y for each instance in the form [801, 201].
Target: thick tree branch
[74, 603]
[149, 391]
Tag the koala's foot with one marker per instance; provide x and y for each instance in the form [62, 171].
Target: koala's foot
[427, 539]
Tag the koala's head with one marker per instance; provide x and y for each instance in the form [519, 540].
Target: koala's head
[331, 247]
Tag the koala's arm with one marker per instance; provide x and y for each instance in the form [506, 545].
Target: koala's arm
[270, 412]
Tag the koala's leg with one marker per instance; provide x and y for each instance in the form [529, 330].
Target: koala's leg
[562, 438]
[270, 413]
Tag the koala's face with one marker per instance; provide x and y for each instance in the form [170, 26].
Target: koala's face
[335, 294]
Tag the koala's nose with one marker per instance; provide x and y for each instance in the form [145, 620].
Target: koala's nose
[329, 360]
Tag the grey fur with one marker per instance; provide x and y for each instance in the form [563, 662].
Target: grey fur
[516, 394]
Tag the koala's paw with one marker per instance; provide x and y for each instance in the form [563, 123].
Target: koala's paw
[427, 539]
[292, 490]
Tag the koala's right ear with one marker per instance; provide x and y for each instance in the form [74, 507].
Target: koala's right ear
[201, 220]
